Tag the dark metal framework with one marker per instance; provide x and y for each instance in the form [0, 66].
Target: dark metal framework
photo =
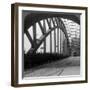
[58, 24]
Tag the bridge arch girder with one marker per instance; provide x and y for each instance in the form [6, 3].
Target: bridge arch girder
[62, 27]
[34, 17]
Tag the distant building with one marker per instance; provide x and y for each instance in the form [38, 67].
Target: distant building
[75, 46]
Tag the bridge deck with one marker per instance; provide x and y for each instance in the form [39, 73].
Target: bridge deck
[68, 66]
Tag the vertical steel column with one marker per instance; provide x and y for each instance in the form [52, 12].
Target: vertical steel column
[58, 40]
[62, 42]
[57, 21]
[50, 40]
[34, 35]
[55, 36]
[55, 41]
[66, 46]
[58, 24]
[44, 25]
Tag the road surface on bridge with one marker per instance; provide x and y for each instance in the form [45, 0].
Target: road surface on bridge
[67, 66]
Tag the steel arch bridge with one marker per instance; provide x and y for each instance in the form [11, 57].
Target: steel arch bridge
[52, 25]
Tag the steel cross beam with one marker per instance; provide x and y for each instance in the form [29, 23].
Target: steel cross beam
[29, 38]
[42, 38]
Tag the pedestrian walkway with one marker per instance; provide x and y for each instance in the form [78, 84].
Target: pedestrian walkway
[67, 66]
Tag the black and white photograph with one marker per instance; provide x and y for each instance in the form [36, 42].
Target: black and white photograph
[51, 44]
